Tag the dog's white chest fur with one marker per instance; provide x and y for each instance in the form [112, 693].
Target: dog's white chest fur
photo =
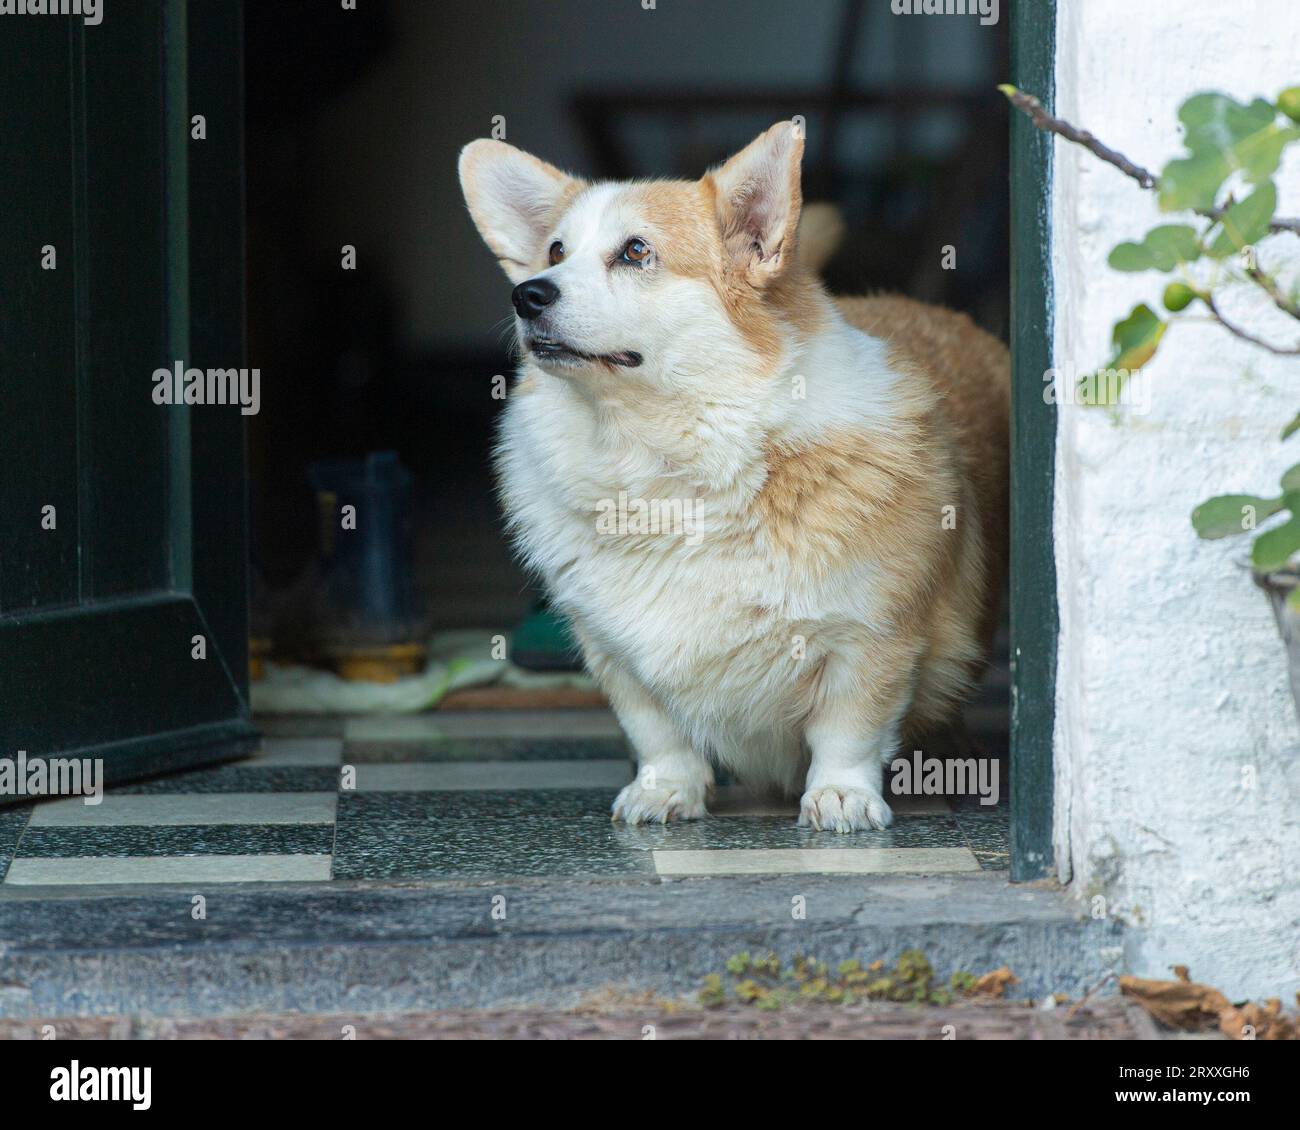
[668, 571]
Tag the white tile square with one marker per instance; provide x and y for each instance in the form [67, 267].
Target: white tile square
[815, 861]
[193, 869]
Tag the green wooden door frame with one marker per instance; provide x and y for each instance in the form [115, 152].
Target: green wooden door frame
[1034, 620]
[96, 616]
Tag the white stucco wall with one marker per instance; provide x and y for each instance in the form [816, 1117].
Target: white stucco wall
[1171, 679]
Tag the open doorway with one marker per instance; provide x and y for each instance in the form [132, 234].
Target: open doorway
[375, 318]
[378, 318]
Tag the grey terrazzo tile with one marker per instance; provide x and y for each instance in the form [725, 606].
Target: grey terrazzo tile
[300, 725]
[487, 749]
[523, 846]
[243, 777]
[565, 832]
[973, 802]
[178, 840]
[993, 860]
[491, 775]
[739, 801]
[12, 823]
[987, 832]
[489, 805]
[562, 725]
[281, 752]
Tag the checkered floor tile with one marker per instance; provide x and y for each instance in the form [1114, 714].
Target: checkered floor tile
[465, 796]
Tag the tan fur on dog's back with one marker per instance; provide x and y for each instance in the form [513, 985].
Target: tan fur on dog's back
[969, 369]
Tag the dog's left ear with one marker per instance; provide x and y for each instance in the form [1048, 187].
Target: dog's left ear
[757, 196]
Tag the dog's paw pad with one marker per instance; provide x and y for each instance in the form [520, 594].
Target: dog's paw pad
[668, 800]
[831, 809]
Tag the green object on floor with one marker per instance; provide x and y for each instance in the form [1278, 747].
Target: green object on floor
[543, 642]
[459, 659]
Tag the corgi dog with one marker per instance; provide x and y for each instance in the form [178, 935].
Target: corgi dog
[834, 475]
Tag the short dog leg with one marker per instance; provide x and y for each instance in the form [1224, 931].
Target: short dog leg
[673, 780]
[852, 732]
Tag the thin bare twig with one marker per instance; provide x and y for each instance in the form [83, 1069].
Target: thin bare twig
[1269, 285]
[1030, 105]
[1083, 1000]
[1237, 331]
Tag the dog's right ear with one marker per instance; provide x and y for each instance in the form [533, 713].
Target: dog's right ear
[513, 198]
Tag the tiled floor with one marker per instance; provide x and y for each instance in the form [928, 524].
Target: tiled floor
[456, 796]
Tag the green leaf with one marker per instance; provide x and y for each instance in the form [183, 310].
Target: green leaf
[1136, 338]
[1246, 222]
[1292, 427]
[1222, 136]
[1230, 514]
[1274, 548]
[1162, 248]
[1131, 257]
[1258, 156]
[1291, 479]
[1293, 599]
[1172, 244]
[1192, 183]
[1215, 122]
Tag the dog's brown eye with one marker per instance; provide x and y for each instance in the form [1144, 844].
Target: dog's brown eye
[635, 251]
[556, 253]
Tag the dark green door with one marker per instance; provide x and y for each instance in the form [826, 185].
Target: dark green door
[123, 595]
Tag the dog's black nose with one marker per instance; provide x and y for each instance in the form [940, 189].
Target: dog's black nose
[534, 296]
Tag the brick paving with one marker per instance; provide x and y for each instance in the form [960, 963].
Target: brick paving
[1105, 1019]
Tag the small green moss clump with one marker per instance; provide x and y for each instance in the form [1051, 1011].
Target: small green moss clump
[762, 981]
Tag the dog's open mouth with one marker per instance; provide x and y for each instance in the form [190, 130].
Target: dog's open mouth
[551, 350]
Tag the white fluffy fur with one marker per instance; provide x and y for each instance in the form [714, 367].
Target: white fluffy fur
[707, 632]
[702, 643]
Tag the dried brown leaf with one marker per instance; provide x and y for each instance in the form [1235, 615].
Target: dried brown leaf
[993, 984]
[1258, 1022]
[1178, 1004]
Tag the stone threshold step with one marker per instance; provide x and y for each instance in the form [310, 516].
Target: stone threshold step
[173, 951]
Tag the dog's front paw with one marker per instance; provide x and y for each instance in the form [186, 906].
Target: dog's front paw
[640, 803]
[831, 809]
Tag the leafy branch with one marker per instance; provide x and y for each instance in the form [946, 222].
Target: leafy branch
[1223, 138]
[1147, 179]
[1228, 143]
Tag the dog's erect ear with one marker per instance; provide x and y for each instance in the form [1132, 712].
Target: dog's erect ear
[758, 200]
[512, 197]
